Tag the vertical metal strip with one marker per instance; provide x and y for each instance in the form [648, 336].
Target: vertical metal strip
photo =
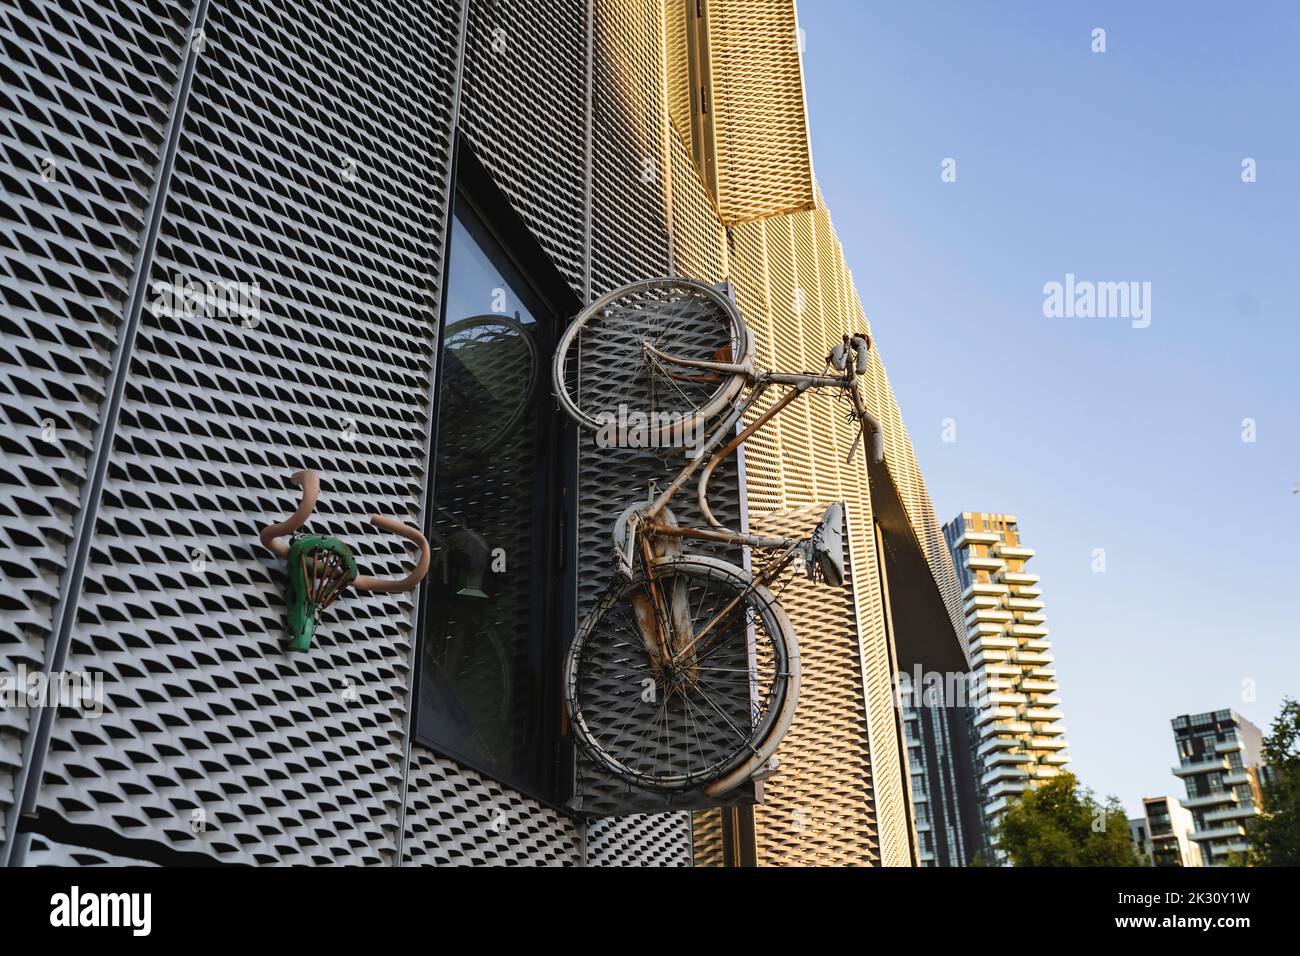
[588, 189]
[37, 741]
[704, 132]
[666, 146]
[448, 204]
[588, 157]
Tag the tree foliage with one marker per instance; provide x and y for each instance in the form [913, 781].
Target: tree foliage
[1059, 823]
[1275, 836]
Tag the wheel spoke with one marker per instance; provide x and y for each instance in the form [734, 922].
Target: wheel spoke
[712, 706]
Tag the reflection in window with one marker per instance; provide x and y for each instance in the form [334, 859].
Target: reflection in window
[481, 669]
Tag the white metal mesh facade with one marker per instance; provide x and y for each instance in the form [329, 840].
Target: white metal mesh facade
[82, 117]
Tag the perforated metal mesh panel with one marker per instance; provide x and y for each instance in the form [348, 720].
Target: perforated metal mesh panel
[285, 166]
[819, 808]
[523, 109]
[662, 839]
[629, 199]
[83, 109]
[677, 65]
[764, 163]
[706, 837]
[699, 238]
[457, 817]
[741, 112]
[46, 852]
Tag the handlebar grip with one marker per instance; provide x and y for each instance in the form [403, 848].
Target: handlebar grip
[862, 347]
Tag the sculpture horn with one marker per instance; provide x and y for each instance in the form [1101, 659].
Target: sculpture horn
[367, 582]
[310, 482]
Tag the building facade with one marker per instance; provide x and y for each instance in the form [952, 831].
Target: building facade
[1220, 762]
[1162, 835]
[946, 814]
[1017, 734]
[234, 248]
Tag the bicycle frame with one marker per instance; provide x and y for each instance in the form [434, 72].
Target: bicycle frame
[718, 448]
[721, 444]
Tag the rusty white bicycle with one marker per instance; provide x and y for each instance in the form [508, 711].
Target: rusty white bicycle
[685, 674]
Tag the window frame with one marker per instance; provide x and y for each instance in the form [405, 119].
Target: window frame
[472, 185]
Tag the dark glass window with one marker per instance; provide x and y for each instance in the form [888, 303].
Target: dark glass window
[486, 669]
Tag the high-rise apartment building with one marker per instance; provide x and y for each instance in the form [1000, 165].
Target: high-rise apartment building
[944, 812]
[1220, 762]
[1017, 737]
[1163, 834]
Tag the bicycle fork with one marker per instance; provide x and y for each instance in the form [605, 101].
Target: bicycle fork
[664, 620]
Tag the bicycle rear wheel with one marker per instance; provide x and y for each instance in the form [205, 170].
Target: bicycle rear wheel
[710, 723]
[602, 369]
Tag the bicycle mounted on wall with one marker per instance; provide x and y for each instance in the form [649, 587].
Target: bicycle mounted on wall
[686, 672]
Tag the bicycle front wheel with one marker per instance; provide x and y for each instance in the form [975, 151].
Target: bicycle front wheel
[605, 372]
[708, 719]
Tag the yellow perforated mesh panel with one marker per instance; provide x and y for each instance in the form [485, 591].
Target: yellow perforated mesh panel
[798, 298]
[746, 97]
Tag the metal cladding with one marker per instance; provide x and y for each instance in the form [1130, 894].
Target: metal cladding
[798, 297]
[735, 96]
[764, 162]
[213, 740]
[820, 808]
[147, 149]
[83, 116]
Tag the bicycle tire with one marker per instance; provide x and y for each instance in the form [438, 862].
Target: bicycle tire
[606, 702]
[689, 319]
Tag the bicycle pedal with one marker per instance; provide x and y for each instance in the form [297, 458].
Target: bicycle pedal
[828, 545]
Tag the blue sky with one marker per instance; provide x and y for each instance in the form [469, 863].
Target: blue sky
[1116, 166]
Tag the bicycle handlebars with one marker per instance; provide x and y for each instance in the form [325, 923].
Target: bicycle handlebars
[859, 347]
[272, 535]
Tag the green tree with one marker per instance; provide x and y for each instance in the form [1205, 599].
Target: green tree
[1059, 823]
[1275, 836]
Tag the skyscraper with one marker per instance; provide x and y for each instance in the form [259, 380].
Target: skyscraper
[1017, 737]
[1220, 762]
[945, 814]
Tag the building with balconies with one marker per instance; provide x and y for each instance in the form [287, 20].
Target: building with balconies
[1163, 834]
[1017, 736]
[1220, 759]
